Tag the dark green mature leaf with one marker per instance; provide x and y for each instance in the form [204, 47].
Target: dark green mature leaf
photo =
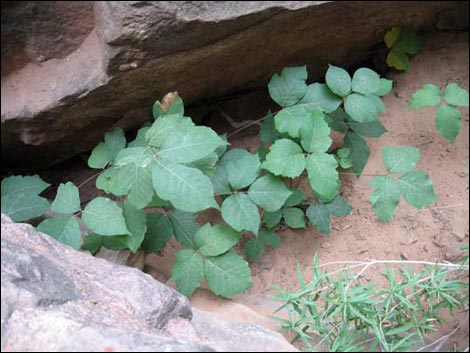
[254, 248]
[92, 243]
[339, 207]
[219, 181]
[267, 132]
[215, 240]
[456, 95]
[448, 122]
[322, 174]
[269, 192]
[28, 185]
[385, 87]
[100, 156]
[295, 198]
[319, 216]
[187, 271]
[290, 120]
[417, 189]
[136, 223]
[294, 217]
[338, 80]
[185, 227]
[398, 60]
[272, 219]
[22, 207]
[365, 81]
[385, 197]
[241, 167]
[188, 189]
[270, 238]
[319, 96]
[337, 120]
[427, 96]
[227, 274]
[408, 43]
[115, 141]
[315, 133]
[164, 127]
[373, 129]
[67, 199]
[290, 87]
[159, 231]
[140, 140]
[206, 164]
[63, 228]
[359, 151]
[241, 213]
[285, 158]
[360, 108]
[400, 159]
[104, 217]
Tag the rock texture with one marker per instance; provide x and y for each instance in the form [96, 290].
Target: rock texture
[59, 99]
[57, 299]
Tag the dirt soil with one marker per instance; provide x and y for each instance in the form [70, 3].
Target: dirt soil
[432, 233]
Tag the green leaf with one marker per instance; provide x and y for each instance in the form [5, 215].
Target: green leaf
[427, 96]
[385, 87]
[379, 104]
[63, 228]
[359, 151]
[337, 120]
[339, 207]
[219, 181]
[408, 43]
[67, 199]
[272, 219]
[22, 207]
[187, 271]
[172, 104]
[262, 152]
[104, 217]
[116, 180]
[159, 231]
[385, 197]
[269, 192]
[297, 196]
[322, 174]
[365, 81]
[417, 189]
[290, 87]
[319, 96]
[290, 120]
[373, 129]
[455, 95]
[241, 167]
[92, 243]
[338, 80]
[254, 248]
[141, 191]
[136, 223]
[100, 156]
[28, 185]
[115, 141]
[188, 189]
[214, 241]
[398, 60]
[241, 213]
[319, 216]
[267, 132]
[164, 127]
[315, 133]
[138, 156]
[227, 274]
[294, 217]
[206, 164]
[140, 140]
[391, 36]
[189, 143]
[157, 202]
[223, 148]
[342, 156]
[270, 238]
[360, 108]
[400, 159]
[185, 227]
[448, 122]
[285, 158]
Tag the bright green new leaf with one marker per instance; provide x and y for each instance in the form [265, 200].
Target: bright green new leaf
[339, 207]
[448, 122]
[359, 151]
[92, 243]
[67, 199]
[115, 141]
[385, 197]
[361, 108]
[215, 240]
[28, 185]
[269, 192]
[342, 156]
[104, 217]
[391, 36]
[100, 156]
[373, 129]
[365, 81]
[338, 80]
[63, 228]
[272, 219]
[254, 248]
[290, 120]
[400, 159]
[417, 189]
[241, 213]
[297, 197]
[188, 189]
[319, 96]
[241, 167]
[285, 158]
[267, 132]
[315, 133]
[427, 96]
[159, 231]
[322, 174]
[398, 60]
[455, 95]
[185, 227]
[187, 271]
[294, 217]
[227, 274]
[319, 216]
[337, 120]
[164, 127]
[22, 207]
[385, 87]
[290, 87]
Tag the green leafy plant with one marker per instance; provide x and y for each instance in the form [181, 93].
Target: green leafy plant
[157, 183]
[448, 119]
[401, 44]
[340, 312]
